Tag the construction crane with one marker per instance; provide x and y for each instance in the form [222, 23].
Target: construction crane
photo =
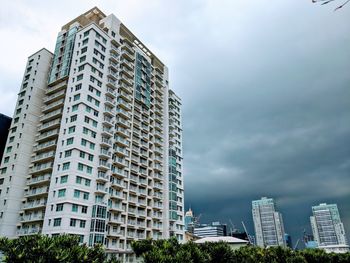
[249, 237]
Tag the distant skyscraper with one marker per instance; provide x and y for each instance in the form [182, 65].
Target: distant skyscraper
[5, 123]
[189, 221]
[95, 145]
[326, 225]
[215, 229]
[268, 223]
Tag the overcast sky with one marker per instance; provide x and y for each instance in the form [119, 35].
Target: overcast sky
[265, 87]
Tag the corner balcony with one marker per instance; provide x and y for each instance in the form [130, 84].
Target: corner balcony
[116, 195]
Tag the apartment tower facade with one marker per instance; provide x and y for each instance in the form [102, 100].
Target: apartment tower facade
[95, 145]
[268, 223]
[327, 227]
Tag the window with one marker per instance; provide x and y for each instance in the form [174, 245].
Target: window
[73, 222]
[83, 50]
[82, 223]
[78, 87]
[83, 142]
[59, 207]
[61, 192]
[75, 107]
[82, 59]
[71, 129]
[74, 208]
[78, 179]
[91, 157]
[68, 153]
[70, 141]
[80, 77]
[64, 179]
[76, 193]
[66, 166]
[73, 118]
[57, 222]
[84, 209]
[80, 166]
[76, 97]
[92, 146]
[86, 196]
[87, 182]
[89, 169]
[86, 33]
[82, 154]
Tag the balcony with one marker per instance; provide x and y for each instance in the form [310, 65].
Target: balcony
[109, 101]
[111, 92]
[124, 95]
[102, 177]
[126, 79]
[54, 97]
[127, 64]
[125, 87]
[34, 205]
[157, 195]
[29, 231]
[47, 135]
[113, 65]
[127, 55]
[42, 179]
[43, 156]
[111, 83]
[108, 121]
[123, 132]
[53, 106]
[109, 111]
[120, 162]
[123, 122]
[37, 192]
[114, 57]
[116, 195]
[32, 218]
[116, 208]
[51, 115]
[104, 165]
[105, 154]
[106, 142]
[119, 172]
[56, 88]
[44, 167]
[44, 146]
[107, 131]
[128, 72]
[49, 125]
[101, 189]
[122, 141]
[121, 151]
[125, 114]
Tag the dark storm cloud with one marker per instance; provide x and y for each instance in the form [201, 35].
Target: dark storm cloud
[267, 114]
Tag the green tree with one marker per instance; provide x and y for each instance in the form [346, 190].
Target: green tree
[44, 249]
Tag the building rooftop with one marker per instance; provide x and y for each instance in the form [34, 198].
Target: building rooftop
[230, 240]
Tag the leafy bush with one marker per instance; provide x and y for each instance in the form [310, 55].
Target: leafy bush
[170, 251]
[59, 249]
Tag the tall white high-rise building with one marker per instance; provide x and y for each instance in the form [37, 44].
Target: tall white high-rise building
[327, 227]
[95, 145]
[268, 223]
